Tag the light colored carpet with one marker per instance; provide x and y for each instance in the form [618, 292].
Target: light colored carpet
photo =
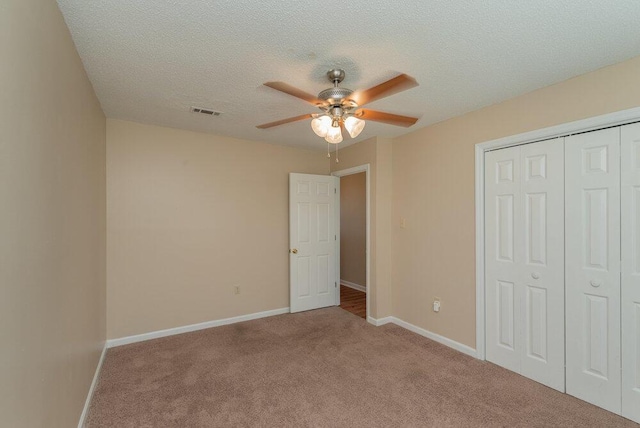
[323, 368]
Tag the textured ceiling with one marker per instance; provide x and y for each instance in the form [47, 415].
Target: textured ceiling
[150, 60]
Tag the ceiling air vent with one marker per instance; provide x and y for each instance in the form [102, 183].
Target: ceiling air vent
[206, 111]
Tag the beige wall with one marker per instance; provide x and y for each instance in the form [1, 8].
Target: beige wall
[190, 216]
[433, 188]
[353, 228]
[383, 231]
[52, 220]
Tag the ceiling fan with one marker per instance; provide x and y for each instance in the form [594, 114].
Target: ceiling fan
[342, 107]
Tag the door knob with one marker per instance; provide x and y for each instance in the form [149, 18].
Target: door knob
[595, 283]
[535, 275]
[294, 251]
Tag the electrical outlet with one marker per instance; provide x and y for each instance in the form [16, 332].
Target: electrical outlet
[403, 223]
[436, 305]
[236, 289]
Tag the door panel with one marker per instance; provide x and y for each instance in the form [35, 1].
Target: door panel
[503, 257]
[542, 270]
[630, 221]
[312, 230]
[324, 273]
[536, 228]
[537, 323]
[303, 276]
[504, 227]
[592, 213]
[596, 335]
[506, 323]
[595, 228]
[304, 218]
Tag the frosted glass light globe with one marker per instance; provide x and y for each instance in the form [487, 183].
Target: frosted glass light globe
[354, 126]
[321, 125]
[334, 135]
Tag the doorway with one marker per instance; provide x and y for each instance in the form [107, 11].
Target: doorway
[354, 240]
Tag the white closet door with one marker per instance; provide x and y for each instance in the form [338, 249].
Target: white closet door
[630, 220]
[524, 212]
[542, 271]
[503, 255]
[592, 209]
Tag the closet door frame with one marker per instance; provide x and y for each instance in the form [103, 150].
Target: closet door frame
[611, 119]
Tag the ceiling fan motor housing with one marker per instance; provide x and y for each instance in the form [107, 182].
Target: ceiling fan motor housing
[334, 95]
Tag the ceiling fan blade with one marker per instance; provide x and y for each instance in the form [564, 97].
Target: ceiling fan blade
[283, 121]
[293, 91]
[392, 86]
[389, 118]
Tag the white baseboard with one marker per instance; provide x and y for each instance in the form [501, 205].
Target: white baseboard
[379, 322]
[193, 327]
[353, 285]
[435, 337]
[92, 388]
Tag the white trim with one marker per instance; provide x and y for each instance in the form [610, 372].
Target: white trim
[111, 343]
[336, 216]
[350, 171]
[379, 322]
[435, 337]
[94, 382]
[425, 333]
[603, 121]
[480, 302]
[353, 285]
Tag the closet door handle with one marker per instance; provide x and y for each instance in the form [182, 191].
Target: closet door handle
[595, 283]
[535, 275]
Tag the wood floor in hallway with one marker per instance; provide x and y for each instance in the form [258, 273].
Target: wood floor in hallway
[353, 301]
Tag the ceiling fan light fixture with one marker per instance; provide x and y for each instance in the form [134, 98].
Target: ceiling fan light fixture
[321, 125]
[354, 126]
[334, 135]
[341, 107]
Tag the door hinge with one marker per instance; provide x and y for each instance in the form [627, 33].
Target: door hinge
[336, 284]
[335, 190]
[335, 237]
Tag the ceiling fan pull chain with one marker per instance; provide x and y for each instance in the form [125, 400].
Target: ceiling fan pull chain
[328, 150]
[337, 160]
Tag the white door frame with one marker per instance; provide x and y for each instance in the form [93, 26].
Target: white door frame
[603, 121]
[350, 171]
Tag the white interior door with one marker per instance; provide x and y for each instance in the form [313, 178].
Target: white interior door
[542, 272]
[630, 245]
[524, 212]
[592, 178]
[503, 255]
[313, 240]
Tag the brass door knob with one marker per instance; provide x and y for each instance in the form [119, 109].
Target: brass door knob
[294, 251]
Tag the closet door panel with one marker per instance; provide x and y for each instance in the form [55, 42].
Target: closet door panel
[592, 222]
[503, 254]
[542, 269]
[630, 245]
